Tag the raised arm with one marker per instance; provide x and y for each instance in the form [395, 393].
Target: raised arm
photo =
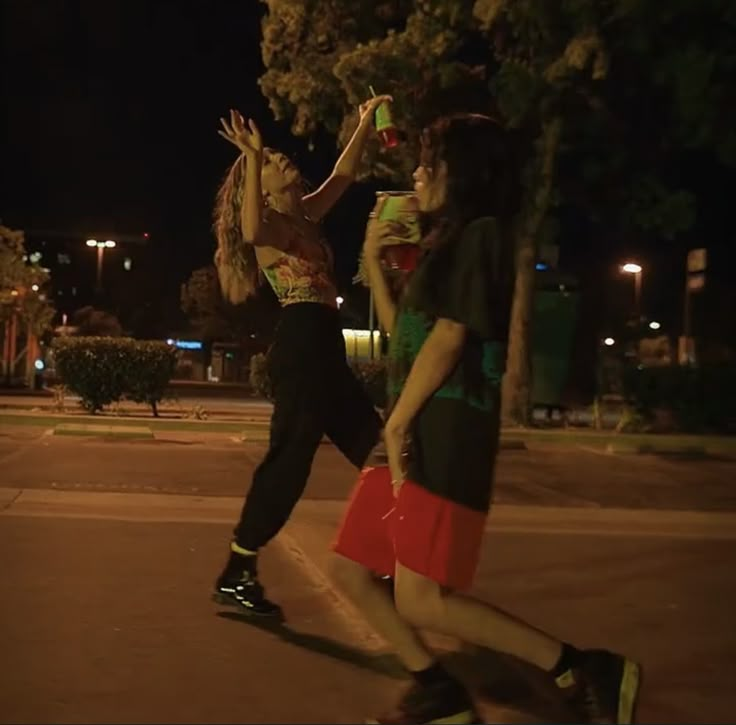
[260, 226]
[319, 202]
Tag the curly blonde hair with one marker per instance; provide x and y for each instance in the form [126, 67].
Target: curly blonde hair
[235, 259]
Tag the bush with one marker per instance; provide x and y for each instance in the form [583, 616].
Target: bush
[152, 367]
[373, 376]
[104, 370]
[697, 400]
[258, 377]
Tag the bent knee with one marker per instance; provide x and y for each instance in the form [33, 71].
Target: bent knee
[421, 609]
[348, 575]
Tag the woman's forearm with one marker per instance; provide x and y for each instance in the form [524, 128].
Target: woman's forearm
[251, 210]
[382, 297]
[347, 164]
[437, 358]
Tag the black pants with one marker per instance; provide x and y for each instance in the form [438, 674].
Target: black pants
[315, 394]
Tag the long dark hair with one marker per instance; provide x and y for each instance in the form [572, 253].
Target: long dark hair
[235, 260]
[482, 181]
[482, 177]
[482, 174]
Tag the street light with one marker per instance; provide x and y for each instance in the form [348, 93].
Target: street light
[101, 246]
[609, 342]
[636, 270]
[339, 301]
[654, 325]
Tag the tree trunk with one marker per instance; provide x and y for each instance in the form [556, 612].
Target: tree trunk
[517, 382]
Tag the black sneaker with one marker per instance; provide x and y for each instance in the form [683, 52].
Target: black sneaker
[602, 688]
[445, 703]
[238, 587]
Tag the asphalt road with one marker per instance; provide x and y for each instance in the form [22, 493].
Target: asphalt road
[108, 549]
[221, 465]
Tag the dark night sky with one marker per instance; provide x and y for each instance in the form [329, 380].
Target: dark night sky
[114, 113]
[111, 110]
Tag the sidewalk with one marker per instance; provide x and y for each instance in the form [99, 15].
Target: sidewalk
[110, 621]
[252, 419]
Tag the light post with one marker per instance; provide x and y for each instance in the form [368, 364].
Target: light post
[101, 246]
[636, 270]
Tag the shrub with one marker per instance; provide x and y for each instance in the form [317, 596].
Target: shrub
[373, 376]
[701, 399]
[104, 370]
[152, 367]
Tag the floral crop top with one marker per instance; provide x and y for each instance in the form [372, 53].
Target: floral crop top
[297, 276]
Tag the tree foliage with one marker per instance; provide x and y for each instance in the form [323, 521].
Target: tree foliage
[213, 318]
[609, 96]
[18, 277]
[96, 323]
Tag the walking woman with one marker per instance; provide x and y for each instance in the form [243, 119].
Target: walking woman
[421, 519]
[266, 225]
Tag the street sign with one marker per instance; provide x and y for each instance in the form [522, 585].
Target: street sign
[695, 281]
[697, 260]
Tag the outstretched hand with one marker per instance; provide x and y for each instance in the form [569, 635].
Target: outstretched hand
[242, 133]
[368, 108]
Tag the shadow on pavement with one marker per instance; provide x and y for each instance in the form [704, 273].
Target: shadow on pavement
[382, 664]
[497, 678]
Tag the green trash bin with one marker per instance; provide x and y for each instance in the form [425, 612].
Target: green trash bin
[553, 329]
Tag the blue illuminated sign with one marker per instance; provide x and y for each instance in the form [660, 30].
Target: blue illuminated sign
[188, 344]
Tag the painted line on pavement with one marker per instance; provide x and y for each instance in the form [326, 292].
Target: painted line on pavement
[361, 632]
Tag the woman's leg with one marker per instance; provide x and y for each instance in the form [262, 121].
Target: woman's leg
[599, 686]
[373, 598]
[278, 484]
[422, 602]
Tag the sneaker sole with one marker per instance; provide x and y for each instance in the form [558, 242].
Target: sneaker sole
[630, 683]
[226, 600]
[462, 718]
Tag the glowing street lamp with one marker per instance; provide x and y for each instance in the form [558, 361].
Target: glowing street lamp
[654, 325]
[636, 270]
[339, 301]
[609, 342]
[101, 247]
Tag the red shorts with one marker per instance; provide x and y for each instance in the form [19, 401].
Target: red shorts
[420, 530]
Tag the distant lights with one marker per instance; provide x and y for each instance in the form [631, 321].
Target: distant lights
[654, 325]
[109, 243]
[609, 342]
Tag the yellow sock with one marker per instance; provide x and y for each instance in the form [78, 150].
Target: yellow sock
[240, 550]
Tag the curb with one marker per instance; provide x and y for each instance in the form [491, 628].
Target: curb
[117, 431]
[654, 449]
[512, 439]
